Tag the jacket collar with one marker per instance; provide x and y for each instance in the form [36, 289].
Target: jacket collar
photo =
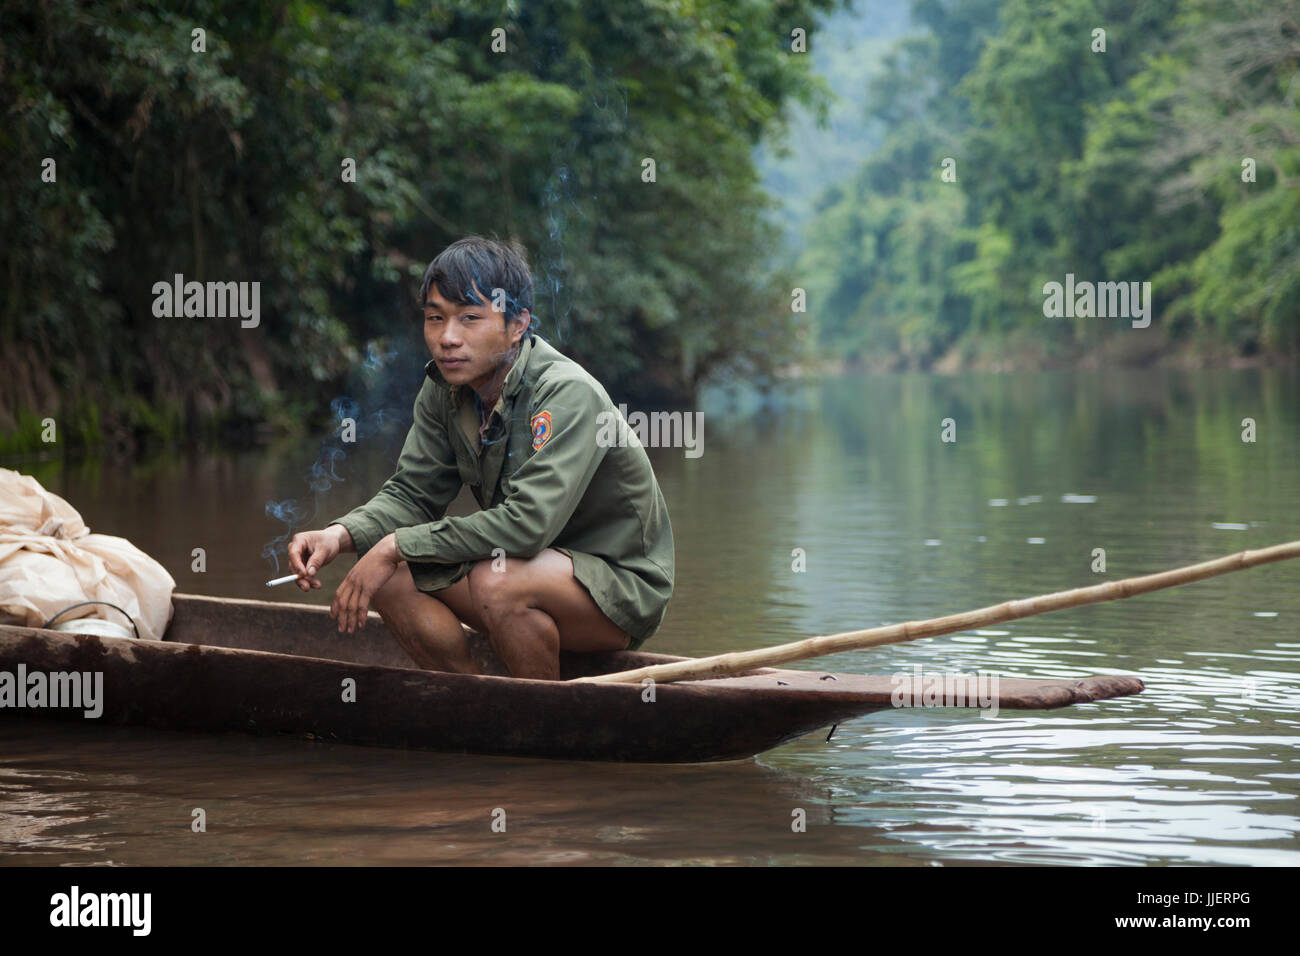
[514, 378]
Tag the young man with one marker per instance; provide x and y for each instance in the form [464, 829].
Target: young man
[573, 548]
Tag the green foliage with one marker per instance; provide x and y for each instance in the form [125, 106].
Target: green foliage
[1123, 165]
[1248, 282]
[226, 165]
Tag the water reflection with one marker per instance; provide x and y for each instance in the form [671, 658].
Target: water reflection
[893, 524]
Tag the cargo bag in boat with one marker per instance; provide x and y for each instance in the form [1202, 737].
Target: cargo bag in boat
[50, 560]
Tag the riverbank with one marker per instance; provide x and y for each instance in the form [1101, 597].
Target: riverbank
[1024, 353]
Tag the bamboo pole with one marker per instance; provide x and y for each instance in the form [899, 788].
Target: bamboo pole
[731, 663]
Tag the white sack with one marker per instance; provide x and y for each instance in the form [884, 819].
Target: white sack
[49, 559]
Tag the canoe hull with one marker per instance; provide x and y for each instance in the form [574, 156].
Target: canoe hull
[273, 668]
[196, 688]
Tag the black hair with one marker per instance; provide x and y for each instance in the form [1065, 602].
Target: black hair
[488, 264]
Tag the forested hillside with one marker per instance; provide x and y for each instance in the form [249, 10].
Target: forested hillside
[209, 139]
[1109, 140]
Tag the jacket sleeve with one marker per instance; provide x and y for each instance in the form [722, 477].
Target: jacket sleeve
[426, 480]
[544, 491]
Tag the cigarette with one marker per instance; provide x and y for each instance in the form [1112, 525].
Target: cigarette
[284, 580]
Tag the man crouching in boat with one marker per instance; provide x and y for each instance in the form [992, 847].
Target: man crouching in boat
[573, 549]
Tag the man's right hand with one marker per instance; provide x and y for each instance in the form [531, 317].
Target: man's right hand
[309, 551]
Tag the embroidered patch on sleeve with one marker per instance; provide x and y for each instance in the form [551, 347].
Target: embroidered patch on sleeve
[541, 425]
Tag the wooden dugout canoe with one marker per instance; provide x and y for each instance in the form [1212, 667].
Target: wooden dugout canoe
[265, 667]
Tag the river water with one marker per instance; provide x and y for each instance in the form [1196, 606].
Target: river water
[850, 480]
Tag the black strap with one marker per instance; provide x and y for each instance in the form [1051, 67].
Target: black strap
[71, 607]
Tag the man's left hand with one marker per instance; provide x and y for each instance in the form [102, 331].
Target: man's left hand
[351, 601]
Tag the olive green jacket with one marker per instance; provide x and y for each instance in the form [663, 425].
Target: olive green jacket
[558, 468]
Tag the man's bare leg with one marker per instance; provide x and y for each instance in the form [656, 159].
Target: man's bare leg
[533, 608]
[427, 627]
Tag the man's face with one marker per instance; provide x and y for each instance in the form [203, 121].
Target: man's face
[471, 342]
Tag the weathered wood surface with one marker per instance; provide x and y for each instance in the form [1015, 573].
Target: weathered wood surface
[274, 668]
